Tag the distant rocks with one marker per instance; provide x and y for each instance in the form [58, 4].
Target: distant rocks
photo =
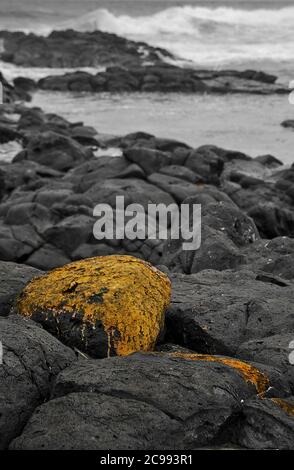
[14, 92]
[76, 49]
[48, 193]
[288, 124]
[163, 78]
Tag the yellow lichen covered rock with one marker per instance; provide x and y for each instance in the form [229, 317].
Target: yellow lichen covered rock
[249, 372]
[109, 305]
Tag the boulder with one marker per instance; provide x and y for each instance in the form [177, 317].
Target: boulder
[148, 159]
[13, 278]
[216, 312]
[266, 424]
[100, 304]
[32, 358]
[55, 151]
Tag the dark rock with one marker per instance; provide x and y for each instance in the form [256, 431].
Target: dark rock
[8, 134]
[134, 190]
[56, 151]
[13, 278]
[274, 350]
[97, 170]
[47, 257]
[176, 187]
[29, 213]
[224, 228]
[215, 312]
[269, 161]
[149, 160]
[31, 360]
[273, 220]
[288, 124]
[169, 401]
[76, 49]
[266, 424]
[70, 233]
[179, 171]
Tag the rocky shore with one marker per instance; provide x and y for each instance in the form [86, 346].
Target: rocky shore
[190, 351]
[123, 66]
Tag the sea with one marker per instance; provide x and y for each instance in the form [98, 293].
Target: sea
[217, 34]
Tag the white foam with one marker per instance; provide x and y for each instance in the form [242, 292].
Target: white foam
[205, 35]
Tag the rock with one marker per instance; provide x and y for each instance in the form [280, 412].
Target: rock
[100, 304]
[171, 402]
[70, 233]
[47, 257]
[16, 175]
[94, 171]
[95, 422]
[29, 213]
[206, 163]
[8, 134]
[85, 135]
[272, 220]
[24, 83]
[13, 243]
[55, 150]
[288, 124]
[224, 229]
[134, 191]
[158, 76]
[216, 312]
[179, 171]
[176, 187]
[13, 278]
[148, 159]
[266, 424]
[274, 350]
[269, 161]
[12, 93]
[73, 49]
[271, 256]
[31, 360]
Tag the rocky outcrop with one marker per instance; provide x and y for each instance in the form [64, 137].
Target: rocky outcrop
[164, 78]
[76, 49]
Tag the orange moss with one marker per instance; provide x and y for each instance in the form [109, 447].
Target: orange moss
[286, 406]
[249, 373]
[128, 295]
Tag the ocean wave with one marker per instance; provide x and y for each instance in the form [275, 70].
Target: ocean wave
[207, 36]
[182, 19]
[204, 35]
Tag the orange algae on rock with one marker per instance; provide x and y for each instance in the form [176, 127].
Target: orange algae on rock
[286, 406]
[127, 295]
[249, 373]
